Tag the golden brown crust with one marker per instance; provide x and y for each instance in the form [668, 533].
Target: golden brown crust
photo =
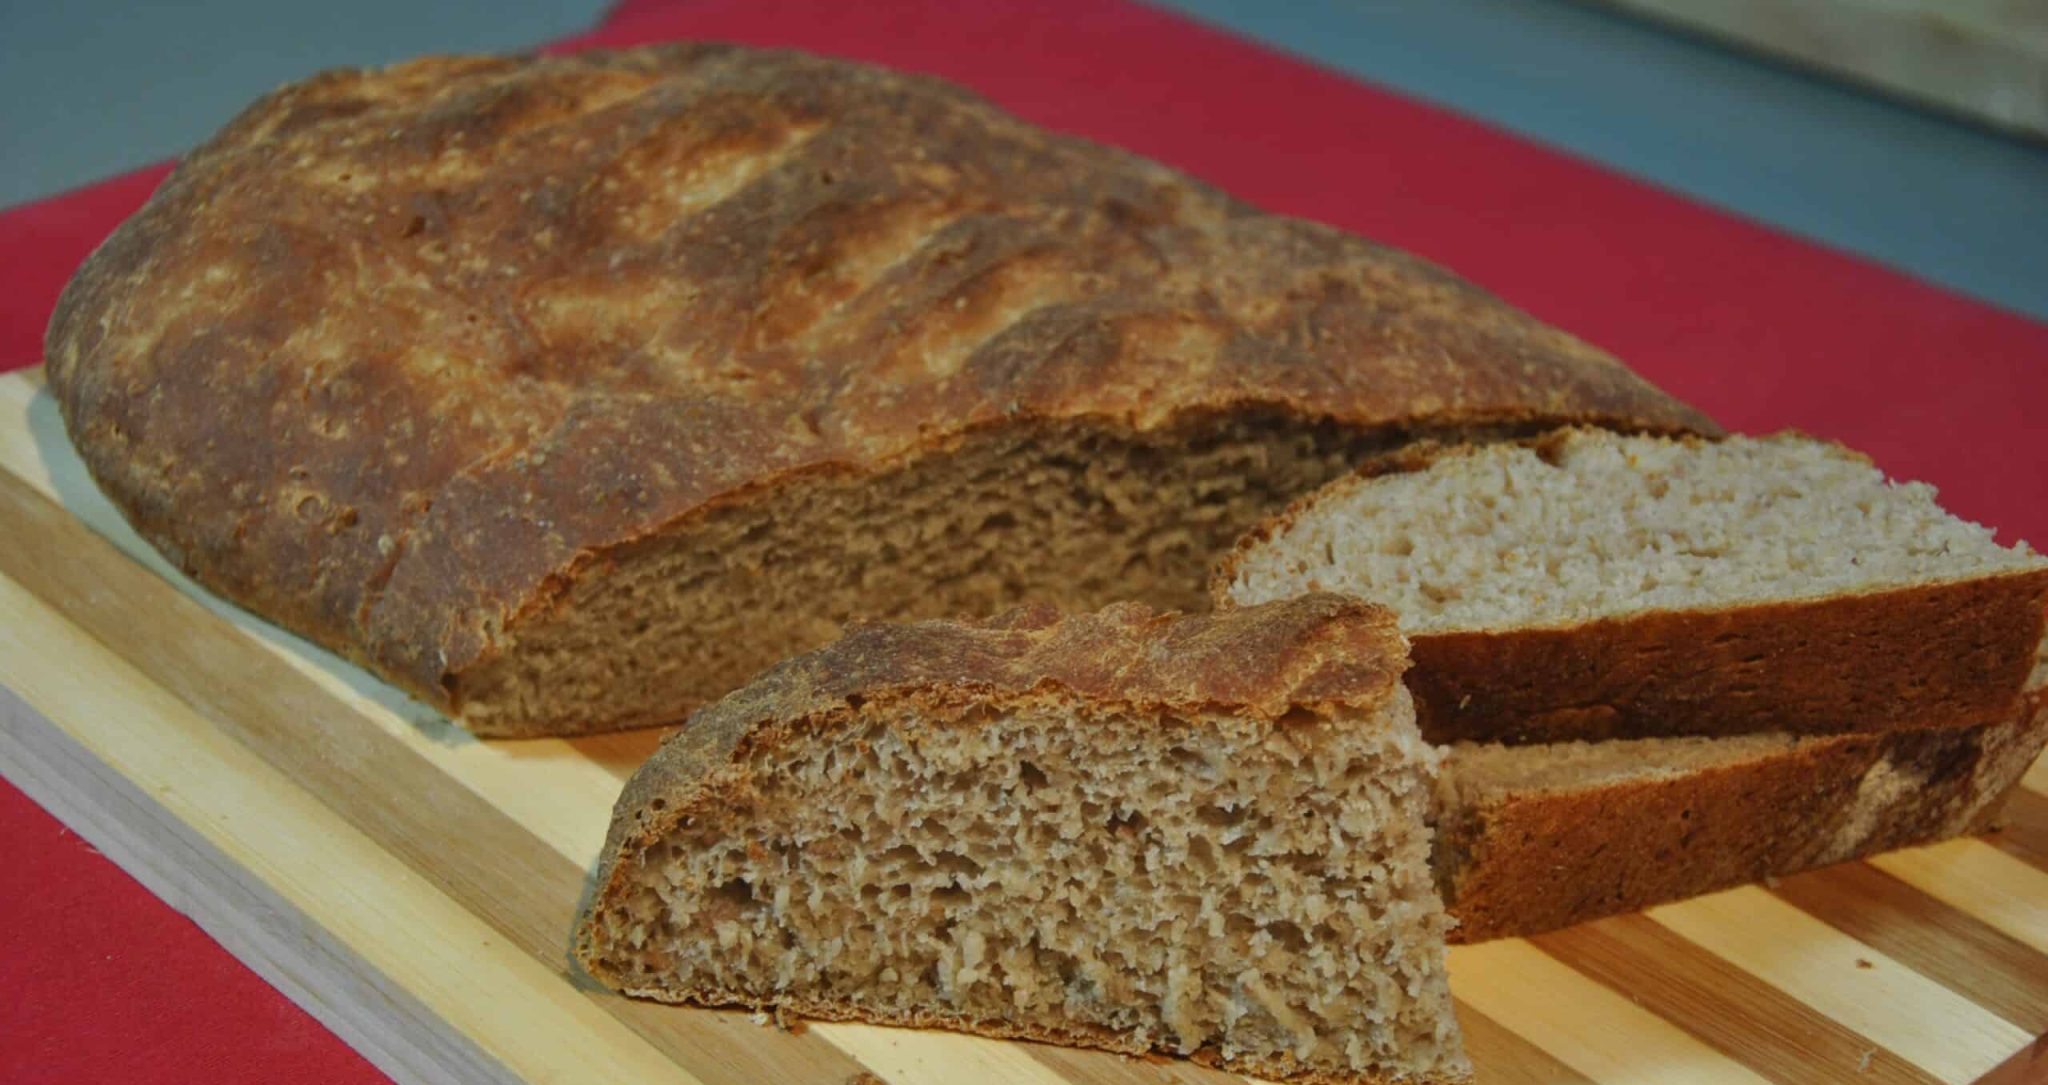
[1940, 654]
[399, 353]
[1315, 652]
[1520, 864]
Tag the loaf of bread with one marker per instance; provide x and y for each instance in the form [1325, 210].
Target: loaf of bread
[569, 392]
[1203, 836]
[1589, 586]
[1533, 838]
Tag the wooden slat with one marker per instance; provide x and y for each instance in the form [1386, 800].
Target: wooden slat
[1974, 877]
[1855, 985]
[2036, 779]
[619, 754]
[1583, 1024]
[1724, 1007]
[2028, 1066]
[918, 1057]
[1503, 1057]
[1992, 969]
[2024, 834]
[371, 1012]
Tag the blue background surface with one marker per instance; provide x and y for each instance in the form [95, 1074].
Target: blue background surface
[95, 88]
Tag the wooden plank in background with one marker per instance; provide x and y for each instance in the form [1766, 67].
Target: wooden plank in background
[1983, 60]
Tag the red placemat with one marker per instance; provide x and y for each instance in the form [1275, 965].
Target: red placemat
[1760, 329]
[105, 982]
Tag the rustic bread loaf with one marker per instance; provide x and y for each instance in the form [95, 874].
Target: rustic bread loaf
[1197, 835]
[1532, 838]
[568, 392]
[1591, 586]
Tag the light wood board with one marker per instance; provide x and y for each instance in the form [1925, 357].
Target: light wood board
[1984, 60]
[414, 887]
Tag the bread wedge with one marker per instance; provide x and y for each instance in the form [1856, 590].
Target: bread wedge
[1590, 585]
[1533, 838]
[1202, 836]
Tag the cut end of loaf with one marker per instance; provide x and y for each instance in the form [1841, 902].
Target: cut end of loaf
[1589, 525]
[1075, 515]
[1246, 890]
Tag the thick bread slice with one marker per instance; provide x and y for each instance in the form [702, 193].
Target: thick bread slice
[1532, 838]
[1197, 835]
[1591, 586]
[569, 392]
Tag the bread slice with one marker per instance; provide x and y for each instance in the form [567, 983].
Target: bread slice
[1533, 838]
[1591, 586]
[1196, 835]
[568, 392]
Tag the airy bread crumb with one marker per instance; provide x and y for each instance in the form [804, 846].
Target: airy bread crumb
[970, 841]
[1592, 525]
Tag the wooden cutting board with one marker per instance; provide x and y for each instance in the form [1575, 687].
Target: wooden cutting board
[414, 887]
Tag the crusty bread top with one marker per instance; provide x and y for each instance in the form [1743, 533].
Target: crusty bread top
[1321, 653]
[399, 351]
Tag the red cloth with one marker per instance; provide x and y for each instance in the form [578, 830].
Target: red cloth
[1761, 329]
[105, 982]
